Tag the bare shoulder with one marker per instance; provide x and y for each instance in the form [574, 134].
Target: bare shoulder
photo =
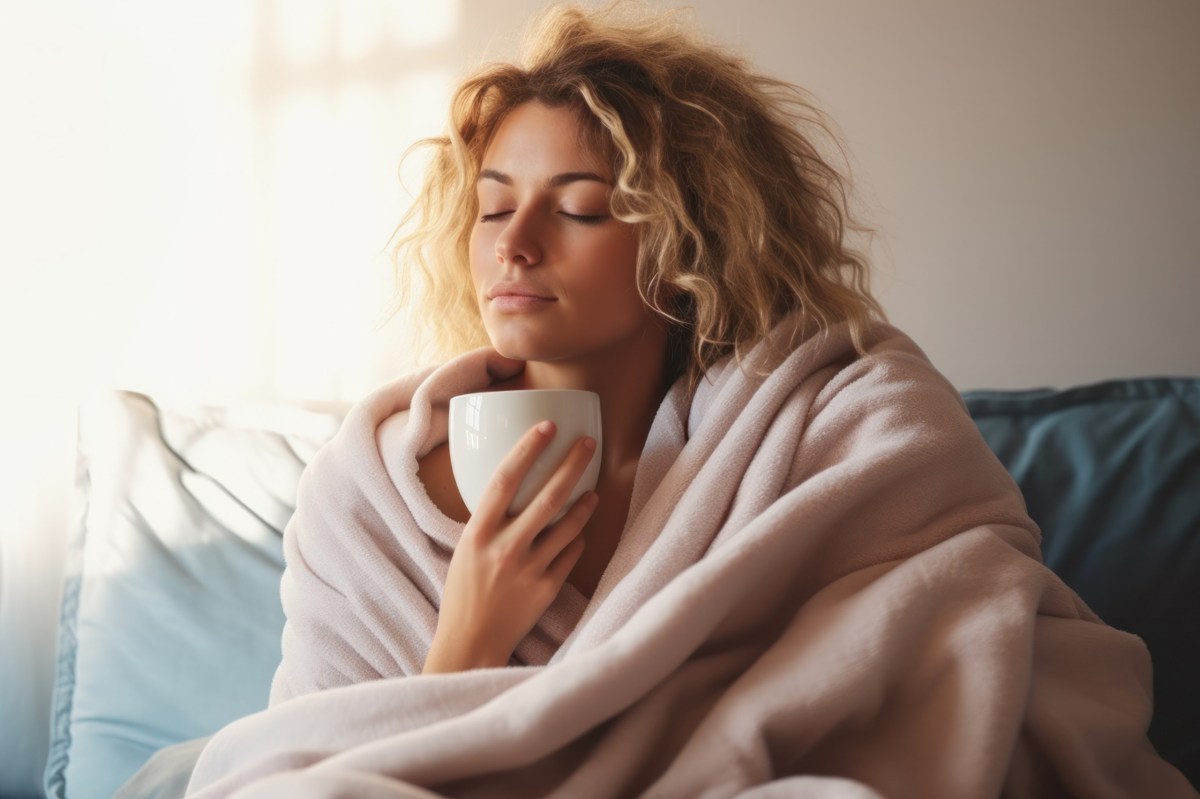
[434, 472]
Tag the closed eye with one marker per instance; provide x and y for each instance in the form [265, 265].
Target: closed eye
[587, 219]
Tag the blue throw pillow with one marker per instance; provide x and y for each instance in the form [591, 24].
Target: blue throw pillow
[1111, 473]
[171, 618]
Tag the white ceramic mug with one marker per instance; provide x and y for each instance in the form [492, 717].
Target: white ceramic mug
[485, 427]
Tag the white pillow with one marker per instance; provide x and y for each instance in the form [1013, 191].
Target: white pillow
[170, 617]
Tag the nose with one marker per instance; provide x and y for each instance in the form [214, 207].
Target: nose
[518, 243]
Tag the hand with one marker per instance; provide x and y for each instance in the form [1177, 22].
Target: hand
[506, 571]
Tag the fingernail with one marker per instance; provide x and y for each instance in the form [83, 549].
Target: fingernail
[589, 443]
[546, 428]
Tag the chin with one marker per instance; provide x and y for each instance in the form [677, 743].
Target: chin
[528, 354]
[523, 342]
[521, 348]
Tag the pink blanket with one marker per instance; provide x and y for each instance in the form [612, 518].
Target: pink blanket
[827, 586]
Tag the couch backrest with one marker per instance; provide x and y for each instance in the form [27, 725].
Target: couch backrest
[1111, 473]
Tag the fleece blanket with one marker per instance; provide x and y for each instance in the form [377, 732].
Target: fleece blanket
[827, 586]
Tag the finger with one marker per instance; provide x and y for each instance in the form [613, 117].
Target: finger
[500, 490]
[554, 494]
[550, 544]
[560, 568]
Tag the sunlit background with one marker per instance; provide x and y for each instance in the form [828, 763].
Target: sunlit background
[196, 203]
[208, 189]
[198, 198]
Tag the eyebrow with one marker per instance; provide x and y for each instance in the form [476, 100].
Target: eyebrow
[551, 183]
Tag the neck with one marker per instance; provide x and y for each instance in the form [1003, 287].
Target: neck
[629, 380]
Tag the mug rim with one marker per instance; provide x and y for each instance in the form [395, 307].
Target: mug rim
[525, 391]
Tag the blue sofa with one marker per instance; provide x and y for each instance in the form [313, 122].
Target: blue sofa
[170, 619]
[1111, 473]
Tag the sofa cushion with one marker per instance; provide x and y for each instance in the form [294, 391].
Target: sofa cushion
[1111, 473]
[171, 619]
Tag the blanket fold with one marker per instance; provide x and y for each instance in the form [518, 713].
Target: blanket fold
[827, 586]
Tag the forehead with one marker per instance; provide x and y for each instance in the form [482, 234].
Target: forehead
[537, 141]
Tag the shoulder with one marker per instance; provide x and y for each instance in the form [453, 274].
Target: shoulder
[370, 435]
[891, 413]
[821, 373]
[893, 376]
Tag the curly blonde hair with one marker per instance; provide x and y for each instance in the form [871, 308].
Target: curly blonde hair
[741, 221]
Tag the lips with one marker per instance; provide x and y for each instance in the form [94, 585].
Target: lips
[516, 298]
[518, 290]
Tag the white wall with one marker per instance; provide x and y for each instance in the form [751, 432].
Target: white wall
[1032, 166]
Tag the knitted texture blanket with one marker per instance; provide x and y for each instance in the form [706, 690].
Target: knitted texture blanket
[827, 586]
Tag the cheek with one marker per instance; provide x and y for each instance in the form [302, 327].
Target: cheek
[625, 253]
[477, 250]
[615, 280]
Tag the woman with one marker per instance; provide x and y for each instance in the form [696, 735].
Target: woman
[802, 572]
[555, 276]
[630, 235]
